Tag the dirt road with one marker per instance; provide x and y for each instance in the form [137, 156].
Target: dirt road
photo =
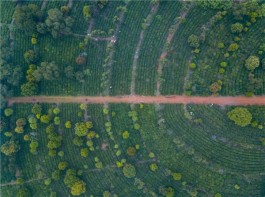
[170, 99]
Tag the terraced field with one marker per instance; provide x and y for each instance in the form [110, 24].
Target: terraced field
[123, 111]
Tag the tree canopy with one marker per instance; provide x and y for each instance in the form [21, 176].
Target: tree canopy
[252, 62]
[241, 116]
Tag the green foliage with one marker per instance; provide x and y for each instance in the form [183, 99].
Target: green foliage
[8, 112]
[78, 188]
[223, 64]
[136, 126]
[131, 151]
[26, 17]
[99, 165]
[57, 23]
[167, 191]
[9, 148]
[241, 116]
[47, 181]
[60, 153]
[237, 27]
[83, 106]
[176, 176]
[47, 70]
[233, 47]
[29, 89]
[86, 12]
[36, 109]
[23, 192]
[70, 177]
[72, 181]
[192, 66]
[84, 152]
[56, 111]
[153, 167]
[81, 129]
[193, 41]
[45, 119]
[221, 45]
[252, 62]
[56, 175]
[78, 141]
[216, 87]
[30, 56]
[62, 165]
[216, 4]
[68, 124]
[125, 135]
[129, 171]
[33, 146]
[56, 120]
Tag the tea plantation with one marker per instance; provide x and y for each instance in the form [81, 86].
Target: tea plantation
[116, 48]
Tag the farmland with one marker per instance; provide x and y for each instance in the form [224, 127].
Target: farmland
[132, 98]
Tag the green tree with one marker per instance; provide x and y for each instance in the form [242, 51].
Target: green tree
[68, 124]
[84, 152]
[86, 12]
[30, 56]
[58, 23]
[49, 129]
[125, 135]
[78, 188]
[193, 41]
[62, 165]
[19, 129]
[176, 176]
[8, 112]
[70, 177]
[216, 4]
[56, 175]
[153, 167]
[106, 194]
[29, 89]
[129, 171]
[237, 28]
[252, 62]
[216, 87]
[47, 181]
[223, 64]
[131, 151]
[47, 70]
[81, 129]
[192, 66]
[9, 148]
[54, 143]
[78, 141]
[83, 106]
[69, 72]
[233, 47]
[57, 120]
[60, 153]
[33, 146]
[23, 192]
[56, 111]
[45, 119]
[241, 116]
[36, 109]
[167, 191]
[26, 17]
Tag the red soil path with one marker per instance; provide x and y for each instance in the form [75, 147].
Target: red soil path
[170, 99]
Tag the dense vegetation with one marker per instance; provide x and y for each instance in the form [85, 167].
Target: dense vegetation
[97, 48]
